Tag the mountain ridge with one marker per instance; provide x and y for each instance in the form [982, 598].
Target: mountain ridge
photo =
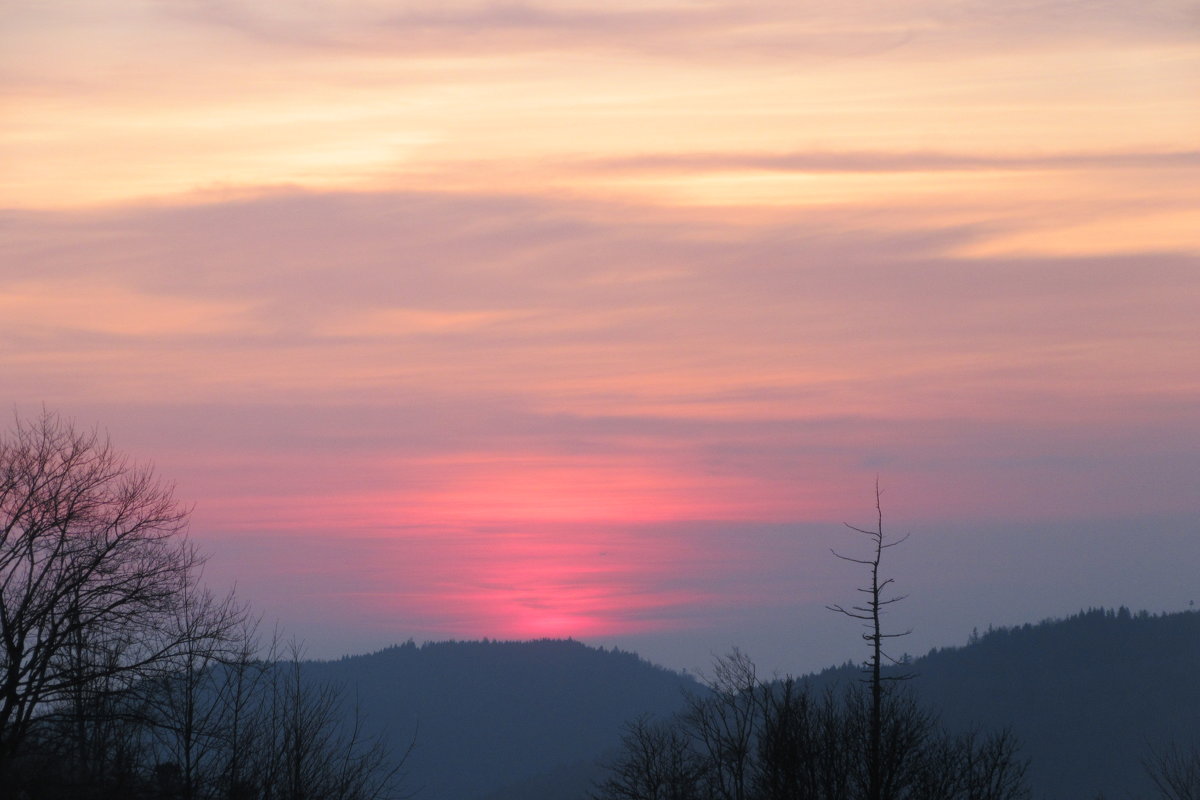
[1088, 696]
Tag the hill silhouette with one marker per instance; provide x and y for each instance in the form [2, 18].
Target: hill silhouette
[1089, 697]
[489, 714]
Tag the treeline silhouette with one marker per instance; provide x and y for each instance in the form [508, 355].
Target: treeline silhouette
[521, 720]
[749, 739]
[1091, 697]
[120, 675]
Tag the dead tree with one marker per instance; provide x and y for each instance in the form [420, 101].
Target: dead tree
[871, 613]
[775, 740]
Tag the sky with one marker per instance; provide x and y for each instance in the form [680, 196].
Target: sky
[567, 318]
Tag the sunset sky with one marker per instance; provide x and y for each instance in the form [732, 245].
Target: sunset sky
[568, 318]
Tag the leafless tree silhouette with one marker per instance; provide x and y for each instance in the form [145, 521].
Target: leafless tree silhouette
[748, 739]
[94, 572]
[871, 613]
[1175, 772]
[120, 675]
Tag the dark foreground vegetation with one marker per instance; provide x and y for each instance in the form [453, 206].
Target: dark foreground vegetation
[1094, 699]
[120, 675]
[747, 739]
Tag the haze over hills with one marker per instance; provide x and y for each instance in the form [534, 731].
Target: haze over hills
[1088, 697]
[487, 714]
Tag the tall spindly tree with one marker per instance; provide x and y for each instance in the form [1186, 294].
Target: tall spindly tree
[870, 612]
[748, 739]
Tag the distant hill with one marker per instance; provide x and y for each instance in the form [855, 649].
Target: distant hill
[1088, 697]
[491, 714]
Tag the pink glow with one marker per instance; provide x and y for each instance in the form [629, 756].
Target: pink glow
[598, 320]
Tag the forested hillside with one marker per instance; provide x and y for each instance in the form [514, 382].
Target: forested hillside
[1089, 697]
[487, 714]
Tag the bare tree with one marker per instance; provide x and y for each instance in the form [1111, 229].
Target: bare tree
[309, 751]
[657, 762]
[189, 703]
[989, 766]
[94, 563]
[775, 740]
[120, 674]
[806, 744]
[240, 724]
[871, 613]
[907, 755]
[1175, 772]
[723, 722]
[244, 682]
[778, 740]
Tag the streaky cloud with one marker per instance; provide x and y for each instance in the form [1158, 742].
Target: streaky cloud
[865, 161]
[753, 31]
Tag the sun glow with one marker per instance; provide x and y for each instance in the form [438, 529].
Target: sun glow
[463, 310]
